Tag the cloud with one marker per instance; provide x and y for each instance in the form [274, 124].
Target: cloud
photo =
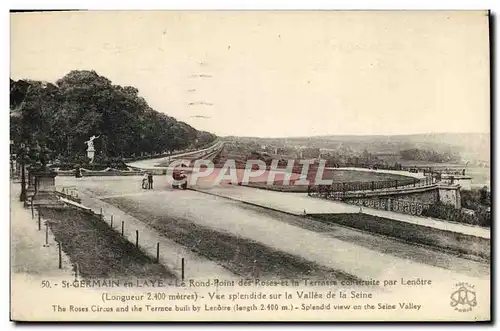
[200, 103]
[201, 75]
[200, 116]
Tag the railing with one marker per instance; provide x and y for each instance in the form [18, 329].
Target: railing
[456, 172]
[105, 172]
[213, 144]
[363, 165]
[436, 169]
[369, 186]
[68, 194]
[356, 193]
[204, 154]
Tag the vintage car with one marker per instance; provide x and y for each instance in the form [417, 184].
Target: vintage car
[179, 175]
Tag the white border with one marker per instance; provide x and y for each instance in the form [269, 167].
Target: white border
[255, 4]
[198, 5]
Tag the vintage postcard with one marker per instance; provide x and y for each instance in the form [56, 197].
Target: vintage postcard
[250, 166]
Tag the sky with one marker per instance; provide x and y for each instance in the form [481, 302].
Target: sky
[277, 74]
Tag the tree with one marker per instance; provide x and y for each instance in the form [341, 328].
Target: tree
[82, 103]
[418, 154]
[484, 199]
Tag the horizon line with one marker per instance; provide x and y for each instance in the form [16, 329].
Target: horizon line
[355, 135]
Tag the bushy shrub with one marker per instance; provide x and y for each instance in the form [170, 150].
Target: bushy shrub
[100, 163]
[475, 199]
[481, 217]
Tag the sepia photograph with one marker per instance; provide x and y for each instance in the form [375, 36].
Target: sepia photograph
[225, 166]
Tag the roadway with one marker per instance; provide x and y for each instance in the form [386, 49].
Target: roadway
[155, 162]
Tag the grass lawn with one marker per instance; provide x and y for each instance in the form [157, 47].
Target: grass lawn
[100, 251]
[457, 242]
[241, 256]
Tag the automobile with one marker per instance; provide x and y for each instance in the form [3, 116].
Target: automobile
[179, 175]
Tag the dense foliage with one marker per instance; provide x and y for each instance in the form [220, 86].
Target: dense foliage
[476, 199]
[62, 116]
[481, 217]
[419, 154]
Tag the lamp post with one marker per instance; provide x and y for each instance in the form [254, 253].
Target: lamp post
[22, 156]
[26, 157]
[12, 157]
[35, 157]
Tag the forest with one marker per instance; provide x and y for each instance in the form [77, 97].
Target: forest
[61, 116]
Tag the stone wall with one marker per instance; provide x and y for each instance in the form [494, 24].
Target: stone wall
[424, 197]
[405, 201]
[400, 206]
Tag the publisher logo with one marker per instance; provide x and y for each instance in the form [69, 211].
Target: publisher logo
[463, 299]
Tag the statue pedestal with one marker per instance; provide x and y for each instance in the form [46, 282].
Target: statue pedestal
[91, 154]
[45, 189]
[449, 194]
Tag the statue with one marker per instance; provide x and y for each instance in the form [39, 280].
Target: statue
[90, 142]
[90, 148]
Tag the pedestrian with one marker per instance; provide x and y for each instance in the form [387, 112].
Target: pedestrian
[145, 180]
[150, 181]
[78, 173]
